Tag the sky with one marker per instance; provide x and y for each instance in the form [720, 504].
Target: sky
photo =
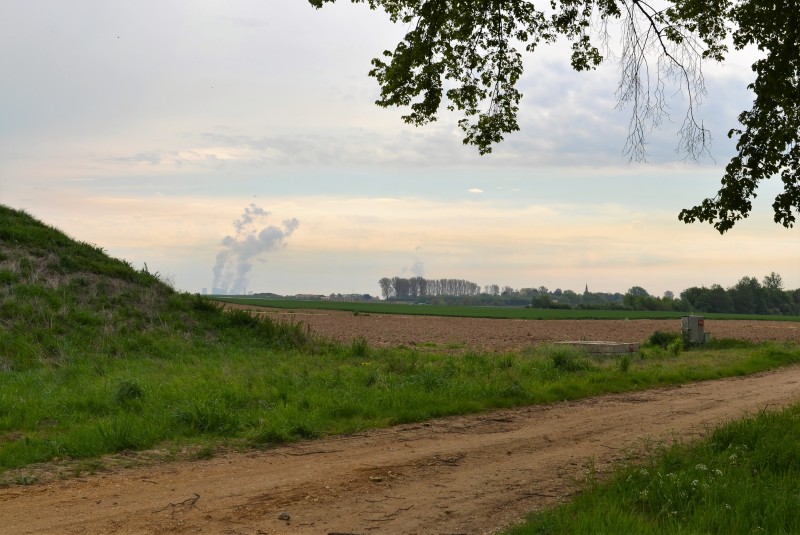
[237, 145]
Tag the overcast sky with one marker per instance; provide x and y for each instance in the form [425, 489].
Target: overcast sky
[237, 144]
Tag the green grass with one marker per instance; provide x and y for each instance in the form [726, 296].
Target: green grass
[745, 478]
[202, 392]
[485, 312]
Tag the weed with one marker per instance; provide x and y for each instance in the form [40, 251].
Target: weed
[208, 416]
[675, 347]
[25, 479]
[359, 348]
[204, 452]
[505, 362]
[566, 359]
[128, 390]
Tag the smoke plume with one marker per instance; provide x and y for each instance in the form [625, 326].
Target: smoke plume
[251, 240]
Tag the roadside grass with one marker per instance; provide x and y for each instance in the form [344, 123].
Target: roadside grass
[744, 478]
[366, 308]
[246, 393]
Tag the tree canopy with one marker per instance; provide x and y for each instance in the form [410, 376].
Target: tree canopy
[467, 55]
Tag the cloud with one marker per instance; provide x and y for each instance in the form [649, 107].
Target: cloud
[475, 190]
[152, 158]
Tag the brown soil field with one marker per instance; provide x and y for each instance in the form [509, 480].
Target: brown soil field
[463, 475]
[503, 335]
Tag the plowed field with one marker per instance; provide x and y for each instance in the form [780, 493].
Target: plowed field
[501, 335]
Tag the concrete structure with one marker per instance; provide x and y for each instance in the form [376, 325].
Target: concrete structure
[604, 348]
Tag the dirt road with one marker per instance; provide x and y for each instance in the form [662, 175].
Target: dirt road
[469, 475]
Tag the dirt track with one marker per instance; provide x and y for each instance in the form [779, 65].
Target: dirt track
[470, 475]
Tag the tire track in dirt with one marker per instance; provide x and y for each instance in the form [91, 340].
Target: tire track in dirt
[472, 474]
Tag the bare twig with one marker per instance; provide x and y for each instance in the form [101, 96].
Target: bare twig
[189, 503]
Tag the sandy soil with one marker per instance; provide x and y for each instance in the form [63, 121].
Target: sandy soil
[465, 475]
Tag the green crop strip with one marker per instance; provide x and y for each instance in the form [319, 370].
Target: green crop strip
[483, 312]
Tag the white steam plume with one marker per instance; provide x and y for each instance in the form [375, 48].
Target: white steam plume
[235, 261]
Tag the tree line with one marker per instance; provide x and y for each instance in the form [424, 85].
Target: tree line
[404, 288]
[748, 296]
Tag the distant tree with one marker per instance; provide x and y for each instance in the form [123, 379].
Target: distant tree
[418, 286]
[386, 287]
[570, 297]
[776, 300]
[669, 295]
[543, 300]
[401, 287]
[773, 281]
[748, 296]
[715, 299]
[638, 291]
[637, 298]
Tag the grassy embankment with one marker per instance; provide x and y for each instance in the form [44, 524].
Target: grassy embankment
[485, 312]
[97, 357]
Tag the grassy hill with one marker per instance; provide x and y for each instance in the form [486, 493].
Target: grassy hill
[63, 299]
[92, 350]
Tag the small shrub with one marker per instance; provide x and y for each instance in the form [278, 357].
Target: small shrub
[242, 318]
[625, 363]
[201, 304]
[663, 339]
